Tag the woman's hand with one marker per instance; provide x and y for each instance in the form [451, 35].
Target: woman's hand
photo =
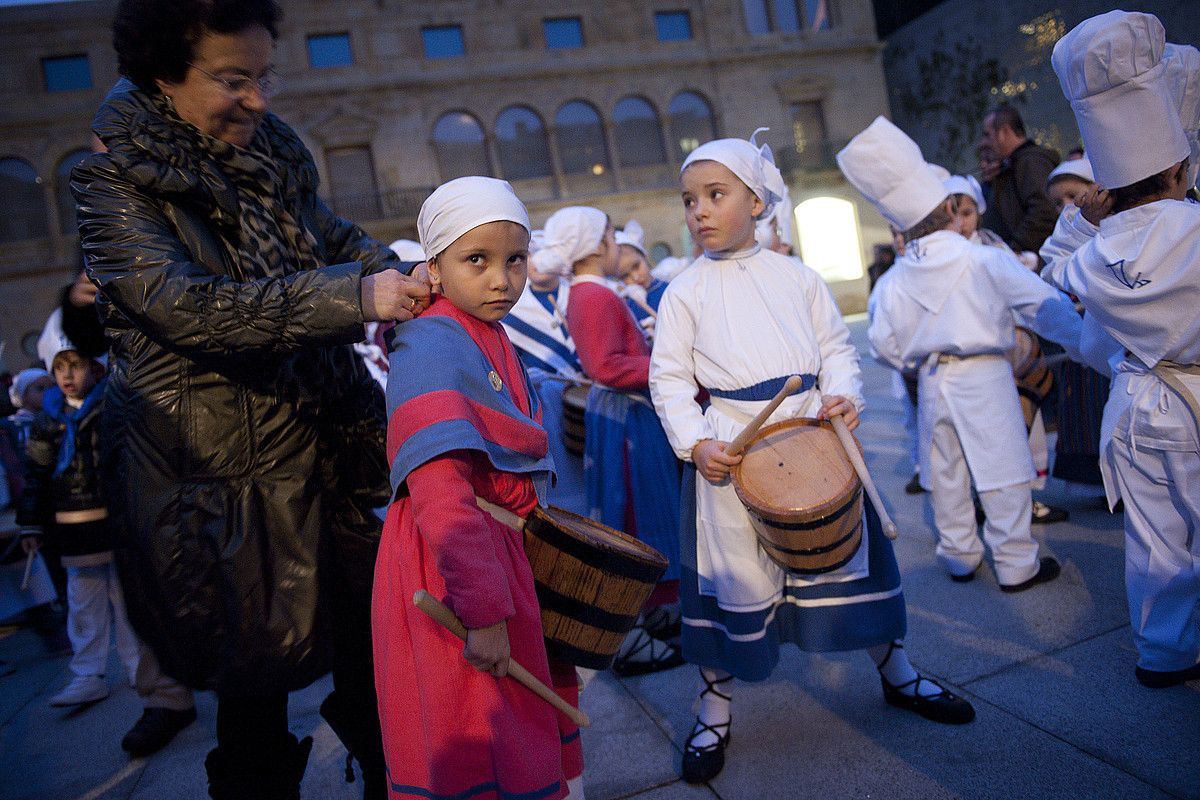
[393, 296]
[711, 461]
[487, 649]
[835, 404]
[1095, 204]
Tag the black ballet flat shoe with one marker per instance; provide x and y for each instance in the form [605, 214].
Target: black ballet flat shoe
[944, 707]
[964, 578]
[914, 485]
[1047, 515]
[627, 666]
[1048, 570]
[1156, 679]
[702, 764]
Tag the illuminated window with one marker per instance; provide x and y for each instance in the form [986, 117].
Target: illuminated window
[691, 122]
[443, 41]
[521, 139]
[459, 144]
[565, 33]
[62, 191]
[24, 204]
[66, 73]
[638, 133]
[673, 26]
[579, 134]
[829, 238]
[329, 50]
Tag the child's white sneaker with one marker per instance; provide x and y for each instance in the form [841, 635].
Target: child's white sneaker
[82, 689]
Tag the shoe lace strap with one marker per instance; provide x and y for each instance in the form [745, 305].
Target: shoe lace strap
[893, 646]
[710, 687]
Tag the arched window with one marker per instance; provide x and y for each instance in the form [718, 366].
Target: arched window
[691, 122]
[580, 137]
[24, 205]
[62, 191]
[459, 143]
[521, 137]
[638, 133]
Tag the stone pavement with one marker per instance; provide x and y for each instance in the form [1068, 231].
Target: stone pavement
[1050, 672]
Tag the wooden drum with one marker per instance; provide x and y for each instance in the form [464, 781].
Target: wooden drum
[1034, 378]
[592, 582]
[574, 402]
[804, 498]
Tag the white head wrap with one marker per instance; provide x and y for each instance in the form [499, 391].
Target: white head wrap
[888, 168]
[1111, 70]
[543, 262]
[1079, 167]
[633, 235]
[966, 184]
[669, 267]
[1183, 76]
[571, 234]
[754, 165]
[407, 250]
[465, 203]
[22, 382]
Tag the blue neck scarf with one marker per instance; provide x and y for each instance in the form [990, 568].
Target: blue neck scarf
[54, 403]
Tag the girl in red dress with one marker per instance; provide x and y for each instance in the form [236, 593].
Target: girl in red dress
[464, 426]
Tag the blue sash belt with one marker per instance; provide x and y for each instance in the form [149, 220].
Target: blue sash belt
[766, 389]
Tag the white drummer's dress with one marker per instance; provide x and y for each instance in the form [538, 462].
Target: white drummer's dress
[739, 327]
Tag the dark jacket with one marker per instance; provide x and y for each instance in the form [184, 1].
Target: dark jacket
[231, 393]
[76, 488]
[1019, 209]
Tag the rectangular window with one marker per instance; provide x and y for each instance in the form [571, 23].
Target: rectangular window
[67, 73]
[352, 182]
[564, 33]
[673, 26]
[785, 16]
[443, 41]
[329, 50]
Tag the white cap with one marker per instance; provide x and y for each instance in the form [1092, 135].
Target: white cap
[633, 235]
[463, 204]
[1183, 77]
[888, 168]
[407, 250]
[752, 163]
[968, 185]
[1077, 167]
[1111, 70]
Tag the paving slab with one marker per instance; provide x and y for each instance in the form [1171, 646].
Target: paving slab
[34, 672]
[1087, 695]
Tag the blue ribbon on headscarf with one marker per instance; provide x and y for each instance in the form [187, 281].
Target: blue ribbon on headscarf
[54, 403]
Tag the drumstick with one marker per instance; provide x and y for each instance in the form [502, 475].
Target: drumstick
[644, 306]
[558, 314]
[851, 448]
[740, 441]
[28, 569]
[442, 615]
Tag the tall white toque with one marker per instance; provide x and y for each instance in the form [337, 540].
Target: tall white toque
[888, 168]
[1112, 71]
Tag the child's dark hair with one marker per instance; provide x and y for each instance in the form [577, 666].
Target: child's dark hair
[937, 220]
[1146, 190]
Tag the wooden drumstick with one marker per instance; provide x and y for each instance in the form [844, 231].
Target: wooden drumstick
[28, 569]
[442, 615]
[644, 306]
[562, 319]
[740, 441]
[860, 466]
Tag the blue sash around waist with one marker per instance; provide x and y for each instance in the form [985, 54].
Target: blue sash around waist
[765, 390]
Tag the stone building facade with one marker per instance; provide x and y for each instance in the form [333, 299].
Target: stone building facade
[573, 102]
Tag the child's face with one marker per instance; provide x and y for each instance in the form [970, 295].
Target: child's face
[32, 399]
[718, 207]
[74, 374]
[1065, 191]
[968, 215]
[633, 267]
[483, 271]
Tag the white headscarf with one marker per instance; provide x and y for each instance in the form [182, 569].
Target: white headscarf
[1079, 167]
[571, 234]
[407, 250]
[966, 184]
[463, 204]
[633, 235]
[754, 165]
[669, 267]
[25, 378]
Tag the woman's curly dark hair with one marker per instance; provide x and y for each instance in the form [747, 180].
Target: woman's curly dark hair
[155, 39]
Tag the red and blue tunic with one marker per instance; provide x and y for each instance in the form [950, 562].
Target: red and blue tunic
[462, 424]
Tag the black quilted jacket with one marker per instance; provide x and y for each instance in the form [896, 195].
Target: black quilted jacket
[241, 436]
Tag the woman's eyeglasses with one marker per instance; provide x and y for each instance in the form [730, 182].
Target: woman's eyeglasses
[268, 84]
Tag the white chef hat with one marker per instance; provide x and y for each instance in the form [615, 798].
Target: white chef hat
[752, 163]
[888, 168]
[1183, 76]
[462, 204]
[571, 234]
[633, 235]
[407, 250]
[1077, 167]
[968, 185]
[1111, 70]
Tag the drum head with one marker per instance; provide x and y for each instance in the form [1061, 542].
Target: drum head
[795, 469]
[599, 536]
[1025, 353]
